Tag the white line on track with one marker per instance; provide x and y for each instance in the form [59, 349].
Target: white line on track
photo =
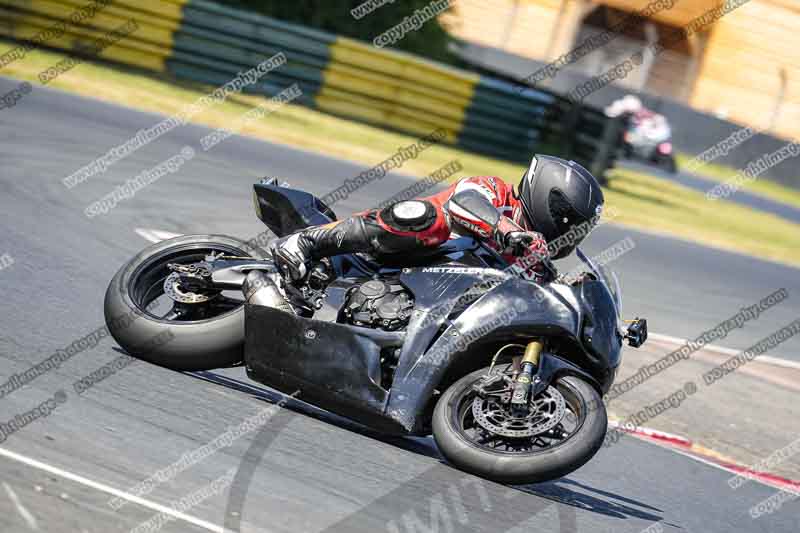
[776, 361]
[155, 235]
[26, 515]
[111, 490]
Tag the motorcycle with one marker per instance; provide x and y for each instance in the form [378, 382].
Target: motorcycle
[506, 374]
[649, 138]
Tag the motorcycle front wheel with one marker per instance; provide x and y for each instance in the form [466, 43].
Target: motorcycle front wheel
[147, 323]
[483, 436]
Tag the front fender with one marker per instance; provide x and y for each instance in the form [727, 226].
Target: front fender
[516, 310]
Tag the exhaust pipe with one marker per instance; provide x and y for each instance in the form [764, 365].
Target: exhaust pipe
[259, 289]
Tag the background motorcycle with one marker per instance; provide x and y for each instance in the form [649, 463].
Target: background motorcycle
[648, 137]
[507, 375]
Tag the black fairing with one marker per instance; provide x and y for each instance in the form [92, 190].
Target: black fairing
[537, 311]
[334, 366]
[600, 335]
[338, 367]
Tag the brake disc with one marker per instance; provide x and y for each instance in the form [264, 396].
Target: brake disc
[173, 288]
[494, 415]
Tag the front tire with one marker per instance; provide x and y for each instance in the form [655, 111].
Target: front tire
[667, 163]
[529, 466]
[213, 341]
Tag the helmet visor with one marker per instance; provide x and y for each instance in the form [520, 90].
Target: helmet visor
[572, 227]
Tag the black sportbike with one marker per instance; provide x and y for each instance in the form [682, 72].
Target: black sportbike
[507, 375]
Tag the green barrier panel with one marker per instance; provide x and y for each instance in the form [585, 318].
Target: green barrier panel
[214, 40]
[232, 60]
[502, 95]
[216, 76]
[517, 123]
[205, 42]
[249, 35]
[267, 25]
[268, 86]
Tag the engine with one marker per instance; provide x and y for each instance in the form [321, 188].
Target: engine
[379, 304]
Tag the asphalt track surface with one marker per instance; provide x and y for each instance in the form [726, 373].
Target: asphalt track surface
[304, 470]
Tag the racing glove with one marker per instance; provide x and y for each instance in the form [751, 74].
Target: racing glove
[514, 240]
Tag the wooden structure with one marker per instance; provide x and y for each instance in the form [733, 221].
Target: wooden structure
[744, 66]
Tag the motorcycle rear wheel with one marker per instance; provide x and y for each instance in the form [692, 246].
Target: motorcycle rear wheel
[462, 440]
[196, 336]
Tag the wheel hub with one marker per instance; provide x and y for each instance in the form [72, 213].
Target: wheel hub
[185, 284]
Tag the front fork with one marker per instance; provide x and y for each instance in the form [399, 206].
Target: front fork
[521, 393]
[533, 373]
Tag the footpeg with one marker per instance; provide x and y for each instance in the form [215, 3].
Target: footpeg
[637, 332]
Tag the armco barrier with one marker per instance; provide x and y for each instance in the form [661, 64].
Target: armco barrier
[209, 43]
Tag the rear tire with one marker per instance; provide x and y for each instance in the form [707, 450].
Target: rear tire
[520, 468]
[194, 345]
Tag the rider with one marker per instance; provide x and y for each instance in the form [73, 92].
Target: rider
[553, 196]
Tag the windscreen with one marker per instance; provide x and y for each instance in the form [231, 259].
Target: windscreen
[607, 276]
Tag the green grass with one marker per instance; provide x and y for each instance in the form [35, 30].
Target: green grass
[763, 187]
[640, 200]
[645, 201]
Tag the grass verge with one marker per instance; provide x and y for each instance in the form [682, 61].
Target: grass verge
[714, 172]
[645, 201]
[642, 201]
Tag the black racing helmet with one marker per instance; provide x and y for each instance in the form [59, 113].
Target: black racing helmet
[558, 195]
